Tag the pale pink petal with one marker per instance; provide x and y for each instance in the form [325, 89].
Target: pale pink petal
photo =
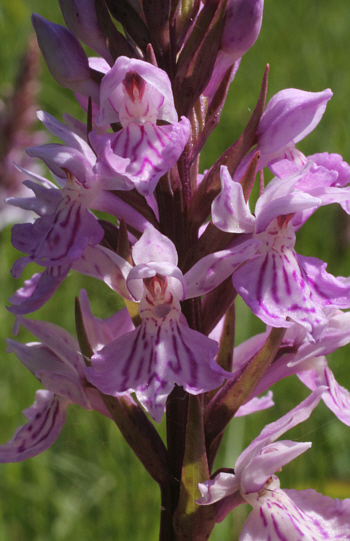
[105, 265]
[66, 135]
[290, 115]
[57, 339]
[216, 489]
[294, 515]
[112, 91]
[230, 212]
[161, 352]
[174, 276]
[256, 404]
[264, 463]
[153, 246]
[277, 289]
[336, 398]
[335, 336]
[103, 331]
[272, 432]
[64, 384]
[214, 268]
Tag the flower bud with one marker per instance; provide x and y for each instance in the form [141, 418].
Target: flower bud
[290, 115]
[65, 57]
[241, 30]
[81, 18]
[242, 26]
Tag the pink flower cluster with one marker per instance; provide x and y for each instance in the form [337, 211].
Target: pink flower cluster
[185, 245]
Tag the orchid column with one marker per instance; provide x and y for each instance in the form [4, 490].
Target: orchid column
[178, 248]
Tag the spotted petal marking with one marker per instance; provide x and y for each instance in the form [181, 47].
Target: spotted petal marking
[139, 154]
[291, 515]
[46, 418]
[275, 285]
[37, 290]
[161, 352]
[336, 398]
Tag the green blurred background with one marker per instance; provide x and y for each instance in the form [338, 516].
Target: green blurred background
[89, 485]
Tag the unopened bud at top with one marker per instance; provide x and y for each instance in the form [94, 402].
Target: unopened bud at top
[81, 18]
[65, 57]
[242, 28]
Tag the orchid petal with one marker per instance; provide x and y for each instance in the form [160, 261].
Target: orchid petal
[289, 116]
[61, 158]
[160, 353]
[106, 201]
[61, 237]
[230, 212]
[58, 340]
[111, 90]
[45, 201]
[277, 190]
[276, 287]
[333, 162]
[328, 290]
[111, 167]
[148, 270]
[269, 460]
[256, 404]
[138, 155]
[336, 398]
[335, 336]
[46, 419]
[291, 514]
[37, 290]
[272, 432]
[103, 331]
[105, 265]
[289, 204]
[216, 489]
[34, 356]
[66, 135]
[66, 385]
[153, 246]
[255, 466]
[214, 268]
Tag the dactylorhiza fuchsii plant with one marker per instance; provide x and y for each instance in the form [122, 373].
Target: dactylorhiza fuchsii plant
[185, 245]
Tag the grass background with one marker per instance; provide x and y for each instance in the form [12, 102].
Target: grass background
[89, 485]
